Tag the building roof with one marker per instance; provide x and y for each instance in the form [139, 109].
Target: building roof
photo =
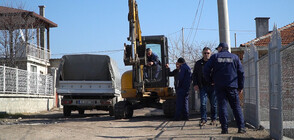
[287, 35]
[7, 11]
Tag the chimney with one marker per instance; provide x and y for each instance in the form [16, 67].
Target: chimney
[42, 10]
[42, 29]
[262, 26]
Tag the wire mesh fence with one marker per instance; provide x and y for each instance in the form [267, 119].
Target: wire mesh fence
[272, 104]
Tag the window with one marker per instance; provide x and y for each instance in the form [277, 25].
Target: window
[33, 68]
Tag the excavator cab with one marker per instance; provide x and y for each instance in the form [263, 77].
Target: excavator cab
[157, 75]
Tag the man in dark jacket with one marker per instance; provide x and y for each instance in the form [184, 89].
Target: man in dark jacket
[153, 65]
[205, 89]
[228, 76]
[182, 90]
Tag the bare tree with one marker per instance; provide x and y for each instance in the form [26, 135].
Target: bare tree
[16, 31]
[192, 52]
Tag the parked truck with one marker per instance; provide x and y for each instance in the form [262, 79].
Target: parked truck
[88, 82]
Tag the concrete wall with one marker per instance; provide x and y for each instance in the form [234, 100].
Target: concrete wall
[12, 104]
[40, 68]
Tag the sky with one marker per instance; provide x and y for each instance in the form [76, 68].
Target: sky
[92, 26]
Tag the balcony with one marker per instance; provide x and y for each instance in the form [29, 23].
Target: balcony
[32, 52]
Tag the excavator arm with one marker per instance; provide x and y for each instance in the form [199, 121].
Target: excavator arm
[133, 18]
[134, 54]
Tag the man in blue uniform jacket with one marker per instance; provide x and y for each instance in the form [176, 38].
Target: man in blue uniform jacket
[227, 73]
[153, 63]
[183, 82]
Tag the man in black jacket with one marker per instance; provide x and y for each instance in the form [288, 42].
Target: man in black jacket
[204, 88]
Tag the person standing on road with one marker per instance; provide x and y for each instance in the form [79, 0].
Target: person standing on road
[183, 82]
[228, 75]
[205, 88]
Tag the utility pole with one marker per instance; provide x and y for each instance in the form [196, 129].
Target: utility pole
[223, 22]
[183, 43]
[235, 40]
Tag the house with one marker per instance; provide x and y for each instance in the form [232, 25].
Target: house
[263, 36]
[25, 39]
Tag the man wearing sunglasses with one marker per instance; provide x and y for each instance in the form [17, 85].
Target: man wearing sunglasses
[205, 89]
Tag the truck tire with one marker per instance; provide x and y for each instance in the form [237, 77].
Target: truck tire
[111, 111]
[66, 111]
[123, 110]
[81, 111]
[111, 108]
[169, 107]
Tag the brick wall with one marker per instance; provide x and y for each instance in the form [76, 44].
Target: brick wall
[287, 58]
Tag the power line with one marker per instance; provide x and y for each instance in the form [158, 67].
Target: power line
[217, 30]
[207, 29]
[198, 21]
[193, 23]
[92, 52]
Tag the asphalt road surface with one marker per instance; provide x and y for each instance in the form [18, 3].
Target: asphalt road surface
[146, 123]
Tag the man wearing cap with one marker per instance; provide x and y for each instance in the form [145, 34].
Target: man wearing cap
[183, 82]
[205, 89]
[153, 63]
[228, 75]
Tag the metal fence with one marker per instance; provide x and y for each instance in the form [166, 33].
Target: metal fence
[269, 88]
[251, 87]
[16, 81]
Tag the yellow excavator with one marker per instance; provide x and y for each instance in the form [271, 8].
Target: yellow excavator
[137, 90]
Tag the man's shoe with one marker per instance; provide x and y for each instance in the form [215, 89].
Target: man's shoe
[225, 131]
[175, 119]
[186, 119]
[242, 130]
[202, 123]
[213, 122]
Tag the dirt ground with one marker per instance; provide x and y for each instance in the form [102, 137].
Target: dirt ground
[147, 123]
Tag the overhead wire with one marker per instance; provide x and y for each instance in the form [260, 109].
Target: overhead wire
[92, 52]
[198, 22]
[193, 23]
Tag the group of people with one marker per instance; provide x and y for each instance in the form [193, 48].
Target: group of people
[219, 78]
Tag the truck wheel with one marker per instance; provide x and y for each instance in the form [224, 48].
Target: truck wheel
[169, 107]
[129, 111]
[123, 110]
[66, 111]
[81, 111]
[111, 111]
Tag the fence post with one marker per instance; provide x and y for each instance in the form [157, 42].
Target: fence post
[37, 84]
[4, 71]
[28, 82]
[16, 80]
[45, 85]
[275, 90]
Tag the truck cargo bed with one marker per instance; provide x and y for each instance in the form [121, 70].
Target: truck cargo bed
[103, 88]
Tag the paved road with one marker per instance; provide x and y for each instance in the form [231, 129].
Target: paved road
[146, 124]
